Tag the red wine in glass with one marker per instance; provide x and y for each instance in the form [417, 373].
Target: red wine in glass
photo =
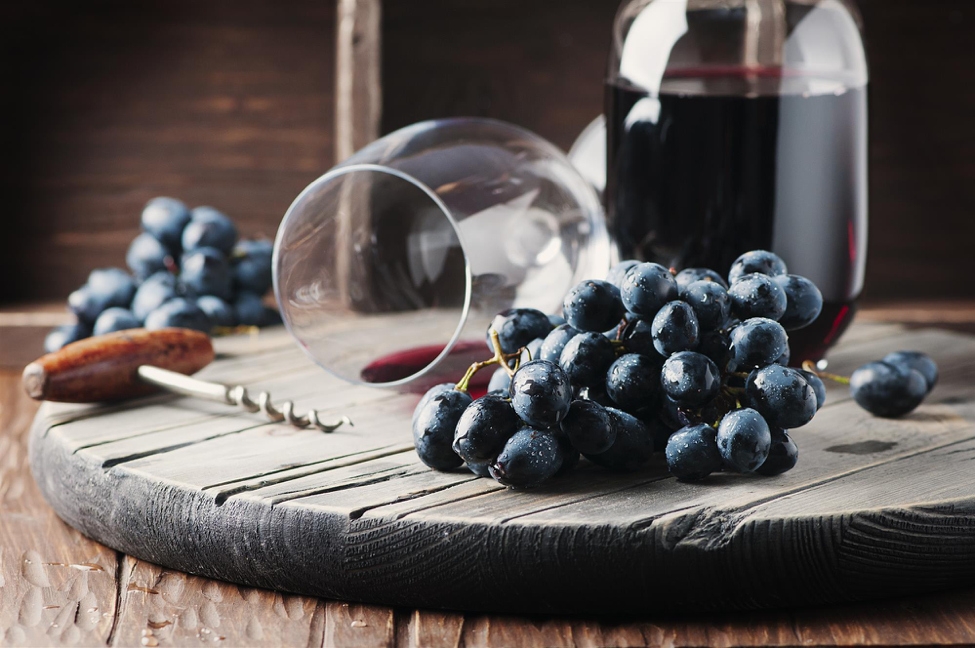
[708, 169]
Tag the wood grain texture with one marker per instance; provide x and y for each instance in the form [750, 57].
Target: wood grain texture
[944, 619]
[358, 78]
[226, 102]
[876, 508]
[57, 587]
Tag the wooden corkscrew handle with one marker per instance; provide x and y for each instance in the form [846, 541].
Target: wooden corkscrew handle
[105, 367]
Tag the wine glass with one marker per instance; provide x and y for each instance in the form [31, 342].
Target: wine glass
[389, 268]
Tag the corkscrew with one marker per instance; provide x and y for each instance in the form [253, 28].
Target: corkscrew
[236, 395]
[137, 362]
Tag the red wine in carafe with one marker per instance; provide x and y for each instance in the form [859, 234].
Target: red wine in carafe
[709, 168]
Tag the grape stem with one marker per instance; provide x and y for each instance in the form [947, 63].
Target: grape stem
[810, 366]
[500, 358]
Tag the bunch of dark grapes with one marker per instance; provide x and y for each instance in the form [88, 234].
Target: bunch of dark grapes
[188, 270]
[648, 360]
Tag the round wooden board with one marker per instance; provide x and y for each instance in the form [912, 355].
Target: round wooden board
[875, 508]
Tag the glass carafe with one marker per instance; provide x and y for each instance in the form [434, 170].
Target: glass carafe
[742, 124]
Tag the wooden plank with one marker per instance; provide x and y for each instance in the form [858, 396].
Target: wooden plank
[187, 421]
[941, 619]
[56, 586]
[349, 625]
[358, 91]
[354, 513]
[162, 607]
[250, 453]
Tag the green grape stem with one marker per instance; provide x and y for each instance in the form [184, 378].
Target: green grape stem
[500, 358]
[810, 366]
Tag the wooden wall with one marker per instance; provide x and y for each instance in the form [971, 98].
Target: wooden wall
[106, 103]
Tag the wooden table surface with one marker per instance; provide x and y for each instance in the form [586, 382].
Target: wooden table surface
[59, 588]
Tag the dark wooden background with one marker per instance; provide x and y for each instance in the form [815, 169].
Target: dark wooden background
[106, 103]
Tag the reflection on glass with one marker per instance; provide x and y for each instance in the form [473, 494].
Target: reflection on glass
[394, 262]
[742, 124]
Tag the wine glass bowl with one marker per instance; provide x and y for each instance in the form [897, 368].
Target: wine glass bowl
[394, 262]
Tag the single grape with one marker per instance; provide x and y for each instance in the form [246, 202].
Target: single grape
[586, 359]
[112, 286]
[633, 447]
[888, 390]
[785, 358]
[83, 304]
[596, 395]
[716, 345]
[804, 302]
[517, 327]
[555, 341]
[433, 428]
[484, 428]
[532, 351]
[593, 306]
[556, 320]
[500, 381]
[757, 342]
[686, 277]
[178, 313]
[481, 469]
[782, 395]
[541, 394]
[646, 288]
[690, 379]
[252, 265]
[154, 292]
[783, 454]
[529, 458]
[637, 337]
[744, 440]
[618, 272]
[64, 335]
[430, 394]
[251, 310]
[105, 288]
[673, 415]
[115, 319]
[915, 360]
[164, 218]
[818, 387]
[147, 255]
[219, 311]
[756, 295]
[206, 271]
[209, 228]
[692, 453]
[710, 302]
[633, 382]
[589, 427]
[757, 261]
[675, 328]
[570, 456]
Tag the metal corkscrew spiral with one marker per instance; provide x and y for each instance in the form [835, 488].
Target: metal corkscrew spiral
[236, 395]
